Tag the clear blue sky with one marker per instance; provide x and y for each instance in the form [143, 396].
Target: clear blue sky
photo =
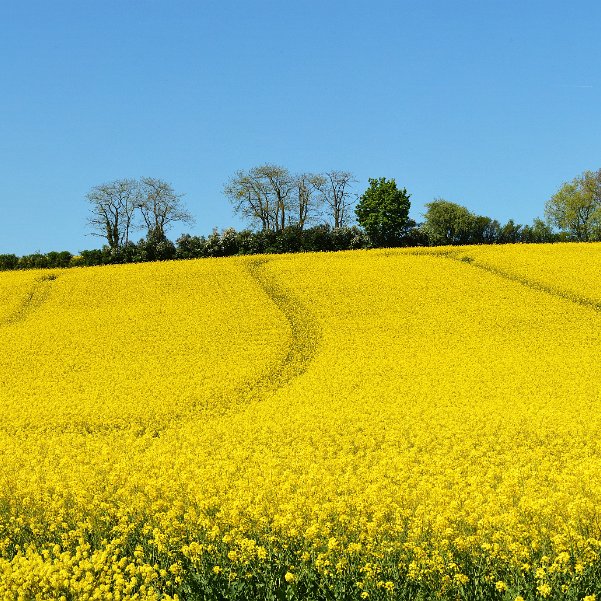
[489, 104]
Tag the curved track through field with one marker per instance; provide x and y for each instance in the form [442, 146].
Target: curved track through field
[304, 330]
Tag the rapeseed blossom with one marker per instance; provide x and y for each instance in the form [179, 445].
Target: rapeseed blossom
[370, 424]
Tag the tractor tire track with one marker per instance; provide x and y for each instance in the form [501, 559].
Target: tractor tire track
[460, 257]
[305, 337]
[305, 333]
[36, 297]
[534, 285]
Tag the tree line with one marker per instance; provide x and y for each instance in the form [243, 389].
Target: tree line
[300, 212]
[272, 198]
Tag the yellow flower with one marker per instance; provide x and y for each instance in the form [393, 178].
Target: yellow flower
[544, 590]
[340, 408]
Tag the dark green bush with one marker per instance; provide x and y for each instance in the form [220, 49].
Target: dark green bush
[8, 262]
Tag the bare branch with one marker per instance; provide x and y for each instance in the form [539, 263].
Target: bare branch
[262, 195]
[337, 195]
[160, 206]
[113, 208]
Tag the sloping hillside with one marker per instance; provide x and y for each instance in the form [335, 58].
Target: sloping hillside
[368, 424]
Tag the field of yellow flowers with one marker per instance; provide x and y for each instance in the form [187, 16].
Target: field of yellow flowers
[387, 424]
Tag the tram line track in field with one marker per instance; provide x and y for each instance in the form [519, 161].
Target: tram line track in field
[35, 298]
[465, 259]
[305, 336]
[305, 333]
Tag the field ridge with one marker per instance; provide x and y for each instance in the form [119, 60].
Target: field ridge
[380, 425]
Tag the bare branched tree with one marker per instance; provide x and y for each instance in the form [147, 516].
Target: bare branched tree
[269, 196]
[113, 208]
[250, 198]
[307, 202]
[263, 195]
[280, 184]
[160, 206]
[337, 195]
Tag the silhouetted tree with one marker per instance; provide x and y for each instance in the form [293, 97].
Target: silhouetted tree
[337, 195]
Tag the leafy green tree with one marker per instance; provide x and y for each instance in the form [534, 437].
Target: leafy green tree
[448, 223]
[484, 230]
[8, 262]
[539, 232]
[576, 207]
[383, 212]
[510, 233]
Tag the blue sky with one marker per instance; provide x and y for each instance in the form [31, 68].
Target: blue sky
[489, 104]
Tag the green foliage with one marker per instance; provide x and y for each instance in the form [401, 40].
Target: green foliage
[448, 223]
[538, 232]
[8, 262]
[290, 239]
[92, 257]
[510, 233]
[383, 211]
[576, 207]
[33, 261]
[155, 247]
[59, 259]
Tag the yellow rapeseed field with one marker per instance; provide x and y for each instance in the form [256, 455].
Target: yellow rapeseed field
[387, 424]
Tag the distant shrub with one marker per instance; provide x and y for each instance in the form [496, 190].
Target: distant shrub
[8, 262]
[76, 261]
[33, 261]
[59, 259]
[189, 247]
[92, 257]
